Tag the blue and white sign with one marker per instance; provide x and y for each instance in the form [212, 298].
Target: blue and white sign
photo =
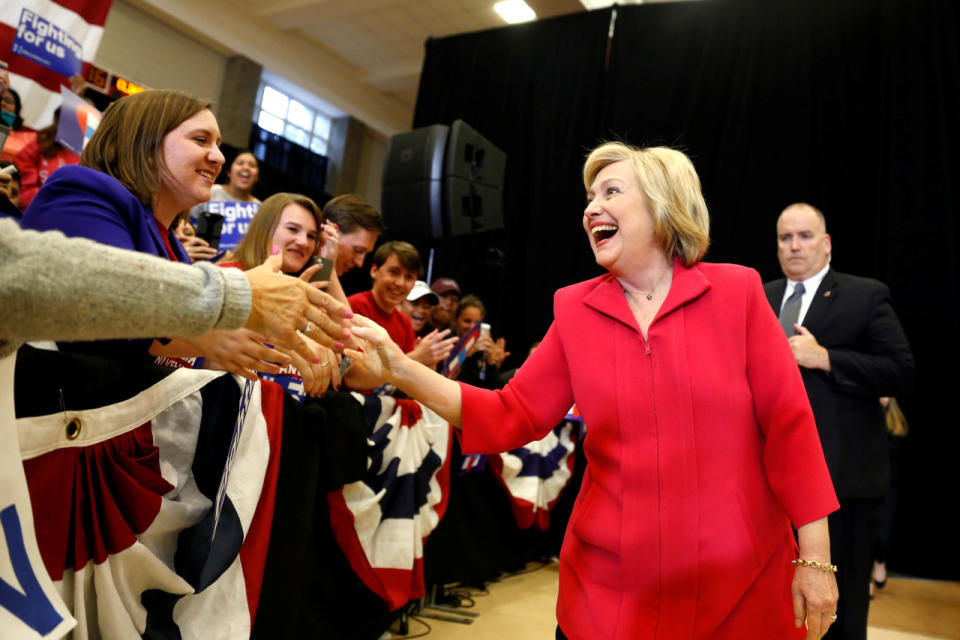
[236, 220]
[30, 605]
[48, 45]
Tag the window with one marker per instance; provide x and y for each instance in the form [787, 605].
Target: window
[295, 121]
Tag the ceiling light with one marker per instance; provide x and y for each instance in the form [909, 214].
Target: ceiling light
[590, 5]
[514, 11]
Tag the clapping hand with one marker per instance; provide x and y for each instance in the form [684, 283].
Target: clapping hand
[433, 347]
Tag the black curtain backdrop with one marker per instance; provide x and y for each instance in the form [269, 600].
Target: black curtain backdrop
[851, 105]
[533, 90]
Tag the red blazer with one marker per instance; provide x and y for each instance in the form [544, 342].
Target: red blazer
[701, 451]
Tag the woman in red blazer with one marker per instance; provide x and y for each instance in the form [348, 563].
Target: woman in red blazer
[701, 445]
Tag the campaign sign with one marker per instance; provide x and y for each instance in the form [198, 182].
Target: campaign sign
[48, 45]
[236, 220]
[78, 121]
[452, 365]
[290, 379]
[30, 606]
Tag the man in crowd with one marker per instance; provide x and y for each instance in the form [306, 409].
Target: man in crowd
[448, 294]
[851, 350]
[360, 225]
[396, 266]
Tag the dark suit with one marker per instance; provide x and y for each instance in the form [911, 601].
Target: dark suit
[853, 319]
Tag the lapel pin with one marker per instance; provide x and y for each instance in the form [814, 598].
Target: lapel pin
[826, 294]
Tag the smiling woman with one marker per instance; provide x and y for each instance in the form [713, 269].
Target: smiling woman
[293, 225]
[702, 447]
[154, 155]
[290, 221]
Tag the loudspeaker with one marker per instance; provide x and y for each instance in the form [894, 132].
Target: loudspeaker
[412, 197]
[442, 181]
[473, 186]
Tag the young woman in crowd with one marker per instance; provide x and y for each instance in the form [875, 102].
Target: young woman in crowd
[701, 449]
[241, 178]
[294, 223]
[20, 135]
[482, 367]
[154, 155]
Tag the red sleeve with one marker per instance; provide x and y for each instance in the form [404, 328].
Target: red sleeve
[792, 455]
[534, 401]
[26, 163]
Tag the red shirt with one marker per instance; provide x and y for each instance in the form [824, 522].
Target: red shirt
[35, 168]
[397, 325]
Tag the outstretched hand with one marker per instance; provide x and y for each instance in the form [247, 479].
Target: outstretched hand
[283, 305]
[376, 352]
[240, 351]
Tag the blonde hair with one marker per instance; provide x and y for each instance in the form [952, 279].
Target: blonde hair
[681, 222]
[896, 421]
[128, 143]
[255, 245]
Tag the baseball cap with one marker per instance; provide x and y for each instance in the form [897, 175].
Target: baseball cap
[421, 289]
[443, 286]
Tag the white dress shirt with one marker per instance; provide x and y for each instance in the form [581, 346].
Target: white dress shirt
[810, 286]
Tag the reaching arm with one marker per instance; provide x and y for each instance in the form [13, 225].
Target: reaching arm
[113, 293]
[110, 293]
[383, 361]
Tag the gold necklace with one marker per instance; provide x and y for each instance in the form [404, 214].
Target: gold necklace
[649, 294]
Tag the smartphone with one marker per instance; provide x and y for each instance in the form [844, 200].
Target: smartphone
[323, 273]
[209, 227]
[484, 329]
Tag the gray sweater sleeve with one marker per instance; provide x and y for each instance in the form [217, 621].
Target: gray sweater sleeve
[58, 288]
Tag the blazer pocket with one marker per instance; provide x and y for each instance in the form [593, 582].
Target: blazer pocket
[596, 520]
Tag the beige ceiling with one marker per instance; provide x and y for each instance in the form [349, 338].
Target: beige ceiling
[361, 56]
[382, 41]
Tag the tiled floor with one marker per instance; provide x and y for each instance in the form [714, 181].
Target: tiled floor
[522, 606]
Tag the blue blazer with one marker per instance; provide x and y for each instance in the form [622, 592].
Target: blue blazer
[86, 203]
